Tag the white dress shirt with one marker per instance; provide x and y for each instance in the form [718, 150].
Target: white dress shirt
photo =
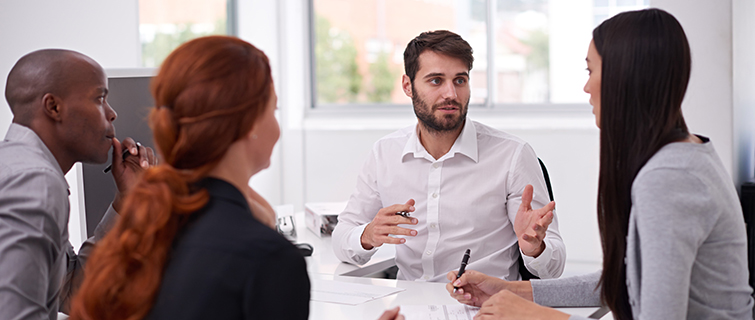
[467, 199]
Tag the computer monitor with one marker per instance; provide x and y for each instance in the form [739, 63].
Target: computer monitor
[130, 97]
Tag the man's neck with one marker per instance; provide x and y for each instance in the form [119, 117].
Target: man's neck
[437, 143]
[49, 140]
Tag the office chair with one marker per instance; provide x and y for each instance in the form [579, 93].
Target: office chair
[526, 274]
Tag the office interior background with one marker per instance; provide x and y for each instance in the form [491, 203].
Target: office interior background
[337, 66]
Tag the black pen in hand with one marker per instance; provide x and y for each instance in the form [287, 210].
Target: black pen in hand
[404, 214]
[463, 266]
[124, 155]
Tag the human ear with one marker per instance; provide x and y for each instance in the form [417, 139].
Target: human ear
[51, 106]
[406, 85]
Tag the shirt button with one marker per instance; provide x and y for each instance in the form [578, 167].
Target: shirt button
[436, 165]
[433, 226]
[435, 195]
[426, 277]
[429, 252]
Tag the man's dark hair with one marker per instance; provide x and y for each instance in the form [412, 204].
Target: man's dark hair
[441, 41]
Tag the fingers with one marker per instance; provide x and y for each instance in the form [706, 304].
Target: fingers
[130, 145]
[390, 240]
[539, 227]
[151, 157]
[393, 209]
[385, 224]
[545, 221]
[384, 234]
[451, 276]
[117, 150]
[527, 197]
[146, 156]
[394, 230]
[550, 206]
[469, 277]
[391, 314]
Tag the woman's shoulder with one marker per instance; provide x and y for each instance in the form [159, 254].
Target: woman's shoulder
[684, 179]
[680, 161]
[230, 229]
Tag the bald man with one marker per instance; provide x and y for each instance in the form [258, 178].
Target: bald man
[60, 117]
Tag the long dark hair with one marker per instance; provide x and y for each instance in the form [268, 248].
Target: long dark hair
[645, 71]
[209, 92]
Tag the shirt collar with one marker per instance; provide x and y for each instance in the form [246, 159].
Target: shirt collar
[24, 135]
[466, 144]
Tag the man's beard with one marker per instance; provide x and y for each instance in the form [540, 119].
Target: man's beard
[446, 123]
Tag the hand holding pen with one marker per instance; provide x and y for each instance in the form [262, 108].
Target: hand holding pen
[384, 226]
[130, 158]
[475, 288]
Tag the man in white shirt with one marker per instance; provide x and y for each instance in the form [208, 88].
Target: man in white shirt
[466, 185]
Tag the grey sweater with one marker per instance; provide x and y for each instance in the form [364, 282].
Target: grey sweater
[686, 246]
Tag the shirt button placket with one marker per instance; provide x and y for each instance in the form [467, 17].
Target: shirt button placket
[433, 198]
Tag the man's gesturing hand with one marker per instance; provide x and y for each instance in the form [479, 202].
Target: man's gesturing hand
[386, 223]
[530, 225]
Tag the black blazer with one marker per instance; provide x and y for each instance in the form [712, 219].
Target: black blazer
[225, 264]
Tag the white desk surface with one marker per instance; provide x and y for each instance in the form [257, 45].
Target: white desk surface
[324, 265]
[324, 261]
[416, 293]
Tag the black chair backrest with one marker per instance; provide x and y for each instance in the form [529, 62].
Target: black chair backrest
[526, 274]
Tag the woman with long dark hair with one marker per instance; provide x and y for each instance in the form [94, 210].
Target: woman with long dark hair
[672, 231]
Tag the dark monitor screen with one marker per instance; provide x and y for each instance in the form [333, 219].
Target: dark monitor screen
[131, 99]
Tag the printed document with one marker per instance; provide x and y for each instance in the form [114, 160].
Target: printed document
[439, 312]
[348, 293]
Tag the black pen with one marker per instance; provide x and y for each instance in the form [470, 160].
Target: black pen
[124, 155]
[404, 214]
[463, 266]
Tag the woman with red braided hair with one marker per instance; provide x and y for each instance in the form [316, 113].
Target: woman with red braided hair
[194, 241]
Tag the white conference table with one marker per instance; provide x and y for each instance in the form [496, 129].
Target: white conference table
[324, 265]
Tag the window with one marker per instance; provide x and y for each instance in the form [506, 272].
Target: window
[359, 45]
[526, 51]
[166, 24]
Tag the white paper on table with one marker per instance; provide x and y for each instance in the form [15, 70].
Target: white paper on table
[348, 293]
[439, 312]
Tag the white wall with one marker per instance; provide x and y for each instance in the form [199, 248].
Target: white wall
[258, 16]
[707, 106]
[107, 31]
